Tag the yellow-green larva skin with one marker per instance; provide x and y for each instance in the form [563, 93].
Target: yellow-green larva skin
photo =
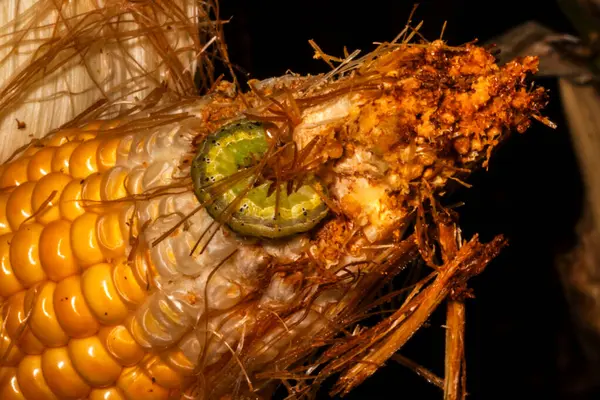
[234, 148]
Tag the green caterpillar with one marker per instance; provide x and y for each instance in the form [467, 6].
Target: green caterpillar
[239, 146]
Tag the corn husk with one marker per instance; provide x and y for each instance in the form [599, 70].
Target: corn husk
[108, 53]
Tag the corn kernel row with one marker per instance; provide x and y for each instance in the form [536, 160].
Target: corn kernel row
[69, 295]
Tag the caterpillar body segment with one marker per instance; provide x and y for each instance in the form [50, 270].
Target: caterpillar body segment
[257, 212]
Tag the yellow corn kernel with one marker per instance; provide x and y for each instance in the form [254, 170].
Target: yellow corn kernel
[178, 361]
[129, 288]
[4, 225]
[6, 374]
[107, 153]
[61, 137]
[90, 194]
[83, 161]
[85, 136]
[110, 235]
[164, 375]
[18, 207]
[113, 184]
[121, 345]
[19, 312]
[134, 328]
[46, 195]
[84, 240]
[70, 202]
[135, 384]
[93, 363]
[25, 254]
[102, 296]
[62, 155]
[31, 379]
[15, 173]
[111, 393]
[61, 376]
[10, 389]
[153, 326]
[43, 321]
[56, 255]
[9, 283]
[72, 311]
[11, 355]
[40, 164]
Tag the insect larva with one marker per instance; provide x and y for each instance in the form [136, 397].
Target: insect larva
[255, 212]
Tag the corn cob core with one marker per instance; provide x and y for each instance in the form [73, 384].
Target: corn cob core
[79, 318]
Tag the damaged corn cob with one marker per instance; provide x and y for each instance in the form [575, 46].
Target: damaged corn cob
[204, 247]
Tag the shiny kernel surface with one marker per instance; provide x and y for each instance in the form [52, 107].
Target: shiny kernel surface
[56, 254]
[137, 332]
[178, 362]
[40, 164]
[85, 136]
[90, 193]
[135, 384]
[18, 207]
[121, 345]
[5, 374]
[162, 373]
[19, 310]
[43, 321]
[101, 295]
[93, 362]
[46, 196]
[70, 201]
[15, 173]
[61, 137]
[25, 254]
[84, 240]
[62, 155]
[83, 161]
[9, 283]
[111, 393]
[72, 310]
[31, 379]
[10, 353]
[61, 376]
[4, 225]
[113, 184]
[10, 389]
[110, 237]
[128, 287]
[107, 153]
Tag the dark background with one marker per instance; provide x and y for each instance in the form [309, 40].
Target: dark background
[520, 339]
